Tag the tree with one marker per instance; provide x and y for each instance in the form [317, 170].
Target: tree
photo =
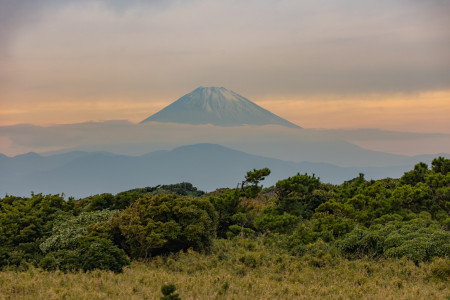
[296, 194]
[441, 165]
[253, 178]
[166, 223]
[25, 223]
[417, 175]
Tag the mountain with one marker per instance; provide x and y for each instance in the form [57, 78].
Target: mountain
[217, 106]
[206, 166]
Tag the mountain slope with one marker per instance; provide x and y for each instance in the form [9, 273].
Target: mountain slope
[207, 166]
[217, 106]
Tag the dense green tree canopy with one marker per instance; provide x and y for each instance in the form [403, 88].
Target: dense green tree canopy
[406, 217]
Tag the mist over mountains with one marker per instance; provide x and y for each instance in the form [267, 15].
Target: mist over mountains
[206, 166]
[122, 137]
[227, 135]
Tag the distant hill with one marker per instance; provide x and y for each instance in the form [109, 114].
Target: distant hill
[217, 106]
[206, 166]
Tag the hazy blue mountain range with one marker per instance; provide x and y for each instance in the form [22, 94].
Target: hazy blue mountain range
[217, 106]
[207, 166]
[121, 137]
[219, 116]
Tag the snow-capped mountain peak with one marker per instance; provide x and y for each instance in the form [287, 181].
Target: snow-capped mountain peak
[217, 106]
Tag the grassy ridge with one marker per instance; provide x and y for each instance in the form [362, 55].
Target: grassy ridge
[225, 275]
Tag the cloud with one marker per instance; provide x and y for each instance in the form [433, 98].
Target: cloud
[100, 49]
[270, 141]
[16, 14]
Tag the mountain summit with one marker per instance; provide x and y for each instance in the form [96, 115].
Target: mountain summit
[217, 106]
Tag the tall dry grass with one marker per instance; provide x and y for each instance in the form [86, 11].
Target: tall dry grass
[239, 271]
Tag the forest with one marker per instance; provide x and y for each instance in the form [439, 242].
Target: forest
[300, 238]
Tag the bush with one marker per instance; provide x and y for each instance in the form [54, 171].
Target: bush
[97, 253]
[230, 211]
[296, 194]
[166, 223]
[168, 291]
[320, 254]
[440, 268]
[92, 253]
[24, 223]
[67, 231]
[418, 240]
[64, 260]
[273, 219]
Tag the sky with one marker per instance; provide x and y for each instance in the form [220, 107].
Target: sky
[320, 64]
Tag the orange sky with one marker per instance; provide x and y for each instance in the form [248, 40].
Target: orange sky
[319, 64]
[426, 112]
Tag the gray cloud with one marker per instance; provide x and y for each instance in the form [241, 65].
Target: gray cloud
[270, 140]
[263, 47]
[15, 14]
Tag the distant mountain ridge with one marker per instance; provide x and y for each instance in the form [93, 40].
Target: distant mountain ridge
[206, 166]
[217, 106]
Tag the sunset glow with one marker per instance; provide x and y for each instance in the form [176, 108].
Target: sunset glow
[340, 64]
[425, 112]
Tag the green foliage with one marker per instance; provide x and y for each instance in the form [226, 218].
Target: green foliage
[329, 227]
[350, 188]
[70, 249]
[233, 216]
[64, 260]
[441, 165]
[297, 242]
[300, 217]
[241, 221]
[417, 175]
[168, 291]
[297, 196]
[108, 201]
[124, 199]
[382, 201]
[418, 240]
[252, 179]
[98, 253]
[320, 254]
[182, 189]
[236, 230]
[274, 220]
[24, 223]
[67, 231]
[91, 253]
[166, 223]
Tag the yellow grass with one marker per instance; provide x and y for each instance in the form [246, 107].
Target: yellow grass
[227, 275]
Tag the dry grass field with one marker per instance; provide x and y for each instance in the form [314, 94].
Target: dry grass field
[239, 272]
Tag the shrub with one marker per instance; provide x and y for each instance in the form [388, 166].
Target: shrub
[168, 291]
[226, 205]
[320, 254]
[98, 253]
[166, 223]
[440, 268]
[92, 253]
[297, 242]
[273, 219]
[24, 223]
[296, 194]
[67, 231]
[64, 260]
[418, 240]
